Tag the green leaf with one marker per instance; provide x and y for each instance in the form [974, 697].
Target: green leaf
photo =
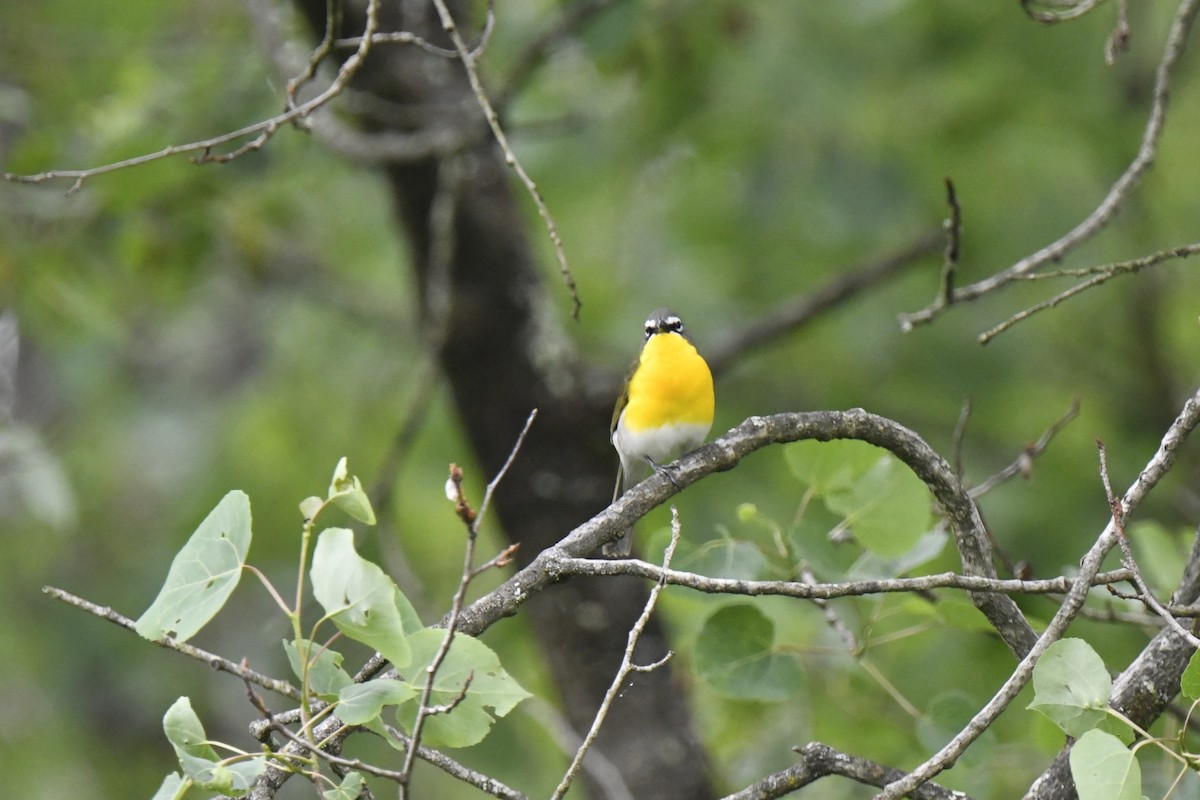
[1105, 769]
[199, 761]
[726, 558]
[185, 732]
[204, 573]
[349, 789]
[959, 612]
[831, 466]
[325, 674]
[359, 703]
[1190, 682]
[360, 599]
[346, 492]
[872, 565]
[736, 655]
[888, 508]
[310, 507]
[173, 787]
[1071, 686]
[490, 688]
[1160, 552]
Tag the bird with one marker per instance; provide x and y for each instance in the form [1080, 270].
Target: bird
[665, 408]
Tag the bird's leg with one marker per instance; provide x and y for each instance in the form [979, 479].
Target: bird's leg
[664, 470]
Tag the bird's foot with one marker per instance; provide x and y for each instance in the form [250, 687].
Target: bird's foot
[666, 470]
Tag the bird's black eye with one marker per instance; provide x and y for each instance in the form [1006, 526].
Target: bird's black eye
[649, 330]
[674, 324]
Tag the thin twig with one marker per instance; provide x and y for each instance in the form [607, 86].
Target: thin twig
[1118, 40]
[960, 434]
[216, 662]
[407, 37]
[452, 767]
[333, 21]
[510, 157]
[1118, 521]
[264, 128]
[1176, 44]
[953, 227]
[796, 312]
[560, 566]
[1023, 464]
[438, 759]
[627, 665]
[424, 710]
[512, 454]
[1099, 274]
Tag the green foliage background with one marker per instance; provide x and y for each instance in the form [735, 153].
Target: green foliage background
[187, 330]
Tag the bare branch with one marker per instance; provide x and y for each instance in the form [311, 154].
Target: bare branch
[1024, 462]
[560, 566]
[953, 227]
[406, 37]
[452, 767]
[205, 147]
[216, 662]
[725, 453]
[1118, 521]
[1100, 274]
[1158, 466]
[1176, 44]
[796, 312]
[627, 665]
[1118, 40]
[472, 520]
[820, 760]
[467, 58]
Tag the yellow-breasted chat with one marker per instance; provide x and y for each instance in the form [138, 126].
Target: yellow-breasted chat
[665, 408]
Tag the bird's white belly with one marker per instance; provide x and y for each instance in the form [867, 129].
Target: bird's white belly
[661, 445]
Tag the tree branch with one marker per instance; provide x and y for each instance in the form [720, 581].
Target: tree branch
[820, 760]
[265, 128]
[627, 666]
[562, 566]
[724, 454]
[1154, 470]
[215, 661]
[1176, 44]
[1099, 275]
[467, 57]
[796, 312]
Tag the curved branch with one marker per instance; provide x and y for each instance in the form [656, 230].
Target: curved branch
[724, 454]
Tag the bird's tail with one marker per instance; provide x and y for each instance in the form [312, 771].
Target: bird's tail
[619, 548]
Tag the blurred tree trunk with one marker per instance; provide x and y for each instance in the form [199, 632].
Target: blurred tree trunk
[501, 360]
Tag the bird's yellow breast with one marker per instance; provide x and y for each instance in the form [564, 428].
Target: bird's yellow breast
[672, 384]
